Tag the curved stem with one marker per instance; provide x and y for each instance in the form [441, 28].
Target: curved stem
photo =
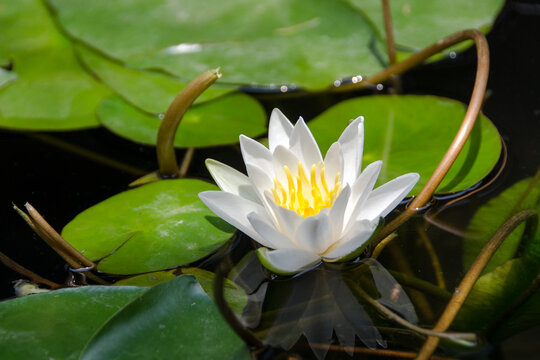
[395, 317]
[168, 166]
[474, 272]
[381, 245]
[435, 263]
[251, 340]
[475, 103]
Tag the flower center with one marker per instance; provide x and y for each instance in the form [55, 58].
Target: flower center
[306, 196]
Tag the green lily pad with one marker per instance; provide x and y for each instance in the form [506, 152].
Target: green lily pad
[495, 292]
[263, 43]
[524, 194]
[411, 133]
[58, 324]
[526, 316]
[216, 122]
[236, 297]
[173, 320]
[6, 77]
[419, 23]
[149, 91]
[148, 279]
[153, 227]
[52, 90]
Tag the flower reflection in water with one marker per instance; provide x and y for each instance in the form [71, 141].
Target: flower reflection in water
[321, 304]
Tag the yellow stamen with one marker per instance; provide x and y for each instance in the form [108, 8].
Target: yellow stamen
[306, 201]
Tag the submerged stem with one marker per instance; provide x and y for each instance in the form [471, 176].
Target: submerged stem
[168, 166]
[435, 263]
[474, 272]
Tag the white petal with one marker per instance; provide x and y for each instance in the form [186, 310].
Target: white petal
[255, 153]
[303, 144]
[315, 233]
[352, 144]
[260, 179]
[234, 210]
[337, 212]
[287, 221]
[386, 197]
[361, 189]
[333, 163]
[287, 261]
[359, 233]
[279, 130]
[272, 237]
[231, 180]
[284, 157]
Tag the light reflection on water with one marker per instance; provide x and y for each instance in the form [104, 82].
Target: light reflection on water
[321, 304]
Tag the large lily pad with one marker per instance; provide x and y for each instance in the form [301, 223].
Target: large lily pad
[216, 122]
[173, 320]
[411, 134]
[419, 23]
[523, 195]
[256, 43]
[153, 227]
[52, 91]
[58, 324]
[150, 91]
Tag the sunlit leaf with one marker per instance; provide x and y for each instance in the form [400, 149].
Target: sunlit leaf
[495, 292]
[524, 194]
[270, 42]
[153, 227]
[411, 133]
[173, 320]
[216, 122]
[58, 324]
[52, 90]
[150, 91]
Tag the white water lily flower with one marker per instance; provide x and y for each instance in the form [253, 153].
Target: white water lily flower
[300, 207]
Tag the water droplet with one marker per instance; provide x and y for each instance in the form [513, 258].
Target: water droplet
[457, 291]
[337, 83]
[161, 116]
[380, 87]
[284, 88]
[452, 55]
[356, 79]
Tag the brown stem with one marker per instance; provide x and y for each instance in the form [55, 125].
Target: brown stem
[57, 238]
[475, 103]
[398, 319]
[188, 157]
[35, 278]
[168, 166]
[390, 44]
[46, 232]
[380, 246]
[474, 272]
[437, 269]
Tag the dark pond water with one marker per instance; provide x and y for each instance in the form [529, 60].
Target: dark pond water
[61, 184]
